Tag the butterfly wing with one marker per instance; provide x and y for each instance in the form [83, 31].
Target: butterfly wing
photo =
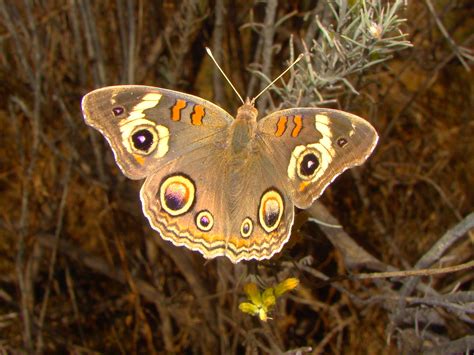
[220, 203]
[198, 192]
[312, 146]
[141, 124]
[201, 192]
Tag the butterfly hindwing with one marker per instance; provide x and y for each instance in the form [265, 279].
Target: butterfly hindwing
[220, 204]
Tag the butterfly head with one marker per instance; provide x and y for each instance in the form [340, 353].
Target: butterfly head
[247, 112]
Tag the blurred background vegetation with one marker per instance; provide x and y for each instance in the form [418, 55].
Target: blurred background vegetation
[81, 270]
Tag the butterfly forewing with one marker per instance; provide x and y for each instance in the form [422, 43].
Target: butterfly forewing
[147, 127]
[312, 146]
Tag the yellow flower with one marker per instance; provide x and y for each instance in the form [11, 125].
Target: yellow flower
[261, 302]
[249, 308]
[286, 285]
[252, 292]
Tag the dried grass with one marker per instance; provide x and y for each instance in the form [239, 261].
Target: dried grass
[80, 270]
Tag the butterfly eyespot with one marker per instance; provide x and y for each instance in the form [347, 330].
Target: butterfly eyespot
[143, 137]
[204, 221]
[177, 194]
[342, 142]
[143, 140]
[246, 228]
[118, 110]
[305, 163]
[270, 210]
[308, 164]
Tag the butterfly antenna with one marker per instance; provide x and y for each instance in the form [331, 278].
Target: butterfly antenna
[225, 76]
[278, 77]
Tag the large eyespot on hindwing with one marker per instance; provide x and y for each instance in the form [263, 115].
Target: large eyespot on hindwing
[204, 220]
[246, 228]
[177, 194]
[270, 210]
[143, 137]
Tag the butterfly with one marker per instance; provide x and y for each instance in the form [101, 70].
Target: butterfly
[220, 185]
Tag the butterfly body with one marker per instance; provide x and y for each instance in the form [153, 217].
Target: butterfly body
[219, 185]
